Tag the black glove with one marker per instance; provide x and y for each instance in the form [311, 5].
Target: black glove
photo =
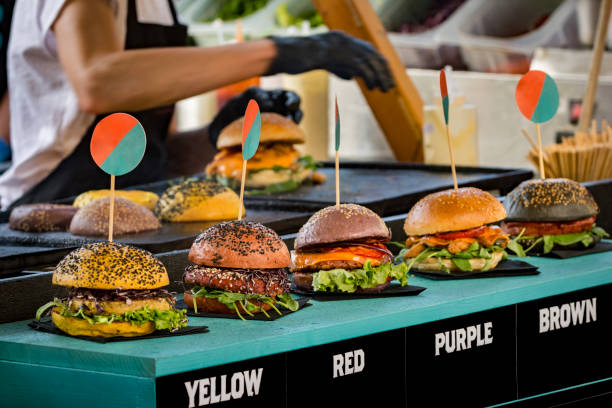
[336, 52]
[286, 103]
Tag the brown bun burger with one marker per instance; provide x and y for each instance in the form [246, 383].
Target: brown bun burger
[551, 213]
[239, 268]
[277, 165]
[114, 290]
[41, 217]
[449, 231]
[342, 249]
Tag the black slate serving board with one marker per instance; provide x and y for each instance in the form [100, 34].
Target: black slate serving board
[170, 237]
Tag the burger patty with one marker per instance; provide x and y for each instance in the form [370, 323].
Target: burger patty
[266, 282]
[325, 265]
[547, 228]
[99, 301]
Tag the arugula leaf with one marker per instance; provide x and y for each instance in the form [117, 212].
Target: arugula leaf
[172, 319]
[398, 244]
[342, 280]
[307, 162]
[233, 299]
[549, 241]
[463, 264]
[282, 187]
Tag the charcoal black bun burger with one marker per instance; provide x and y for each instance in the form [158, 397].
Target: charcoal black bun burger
[239, 268]
[114, 290]
[342, 249]
[551, 213]
[450, 231]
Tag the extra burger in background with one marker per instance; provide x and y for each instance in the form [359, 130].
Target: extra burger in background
[239, 268]
[342, 249]
[276, 167]
[551, 214]
[451, 231]
[114, 291]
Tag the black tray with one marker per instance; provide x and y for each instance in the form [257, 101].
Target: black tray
[386, 188]
[46, 325]
[303, 302]
[601, 246]
[16, 258]
[170, 237]
[511, 267]
[394, 289]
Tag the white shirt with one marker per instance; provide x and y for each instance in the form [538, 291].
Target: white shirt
[46, 122]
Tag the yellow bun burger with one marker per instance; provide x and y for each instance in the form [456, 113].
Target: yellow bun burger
[114, 290]
[197, 200]
[277, 165]
[450, 231]
[145, 198]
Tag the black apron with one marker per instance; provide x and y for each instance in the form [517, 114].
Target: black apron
[78, 172]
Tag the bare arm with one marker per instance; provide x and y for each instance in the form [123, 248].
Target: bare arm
[107, 78]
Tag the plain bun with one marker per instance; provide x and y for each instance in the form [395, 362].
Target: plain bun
[240, 244]
[41, 217]
[477, 264]
[453, 210]
[129, 217]
[274, 128]
[106, 265]
[557, 199]
[347, 222]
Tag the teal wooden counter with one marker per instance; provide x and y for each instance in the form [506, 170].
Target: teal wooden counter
[55, 361]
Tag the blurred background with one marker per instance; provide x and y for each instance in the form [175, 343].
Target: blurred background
[488, 44]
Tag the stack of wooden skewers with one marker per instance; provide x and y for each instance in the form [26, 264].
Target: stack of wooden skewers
[582, 157]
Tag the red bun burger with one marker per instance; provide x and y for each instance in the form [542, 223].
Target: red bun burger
[239, 267]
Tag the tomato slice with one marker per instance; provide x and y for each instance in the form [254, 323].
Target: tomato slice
[470, 233]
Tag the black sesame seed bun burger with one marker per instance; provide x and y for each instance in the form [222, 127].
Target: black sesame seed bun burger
[450, 231]
[342, 249]
[551, 213]
[239, 268]
[277, 165]
[114, 290]
[198, 200]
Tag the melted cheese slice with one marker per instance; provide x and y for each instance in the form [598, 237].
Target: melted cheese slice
[228, 163]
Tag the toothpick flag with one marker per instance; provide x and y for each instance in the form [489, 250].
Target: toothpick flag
[537, 97]
[251, 129]
[117, 146]
[337, 127]
[445, 107]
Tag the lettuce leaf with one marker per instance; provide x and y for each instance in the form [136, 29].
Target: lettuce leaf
[342, 280]
[549, 241]
[240, 301]
[460, 259]
[172, 319]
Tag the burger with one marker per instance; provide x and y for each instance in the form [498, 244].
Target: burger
[342, 249]
[450, 231]
[238, 268]
[276, 166]
[114, 290]
[551, 214]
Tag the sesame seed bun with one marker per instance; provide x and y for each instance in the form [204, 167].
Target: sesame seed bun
[81, 327]
[240, 244]
[145, 198]
[105, 265]
[41, 217]
[477, 264]
[199, 200]
[347, 222]
[557, 199]
[453, 210]
[214, 306]
[274, 128]
[129, 217]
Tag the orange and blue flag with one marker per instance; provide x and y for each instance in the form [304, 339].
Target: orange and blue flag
[444, 94]
[251, 129]
[118, 143]
[537, 96]
[337, 127]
